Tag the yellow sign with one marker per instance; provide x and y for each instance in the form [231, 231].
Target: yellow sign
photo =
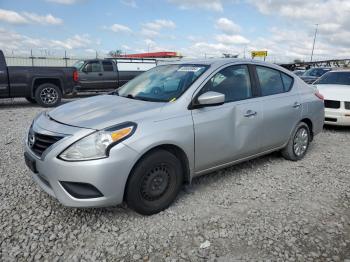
[259, 54]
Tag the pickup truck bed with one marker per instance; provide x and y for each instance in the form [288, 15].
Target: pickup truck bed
[42, 85]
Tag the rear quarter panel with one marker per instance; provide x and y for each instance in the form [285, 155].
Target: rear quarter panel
[313, 107]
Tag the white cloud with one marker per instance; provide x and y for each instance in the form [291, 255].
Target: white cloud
[130, 3]
[13, 17]
[212, 5]
[10, 40]
[227, 26]
[159, 24]
[118, 28]
[153, 29]
[294, 39]
[149, 33]
[208, 50]
[232, 39]
[64, 2]
[47, 19]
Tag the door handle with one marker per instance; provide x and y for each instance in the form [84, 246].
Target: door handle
[250, 113]
[296, 105]
[100, 74]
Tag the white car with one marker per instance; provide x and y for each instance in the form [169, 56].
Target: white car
[335, 87]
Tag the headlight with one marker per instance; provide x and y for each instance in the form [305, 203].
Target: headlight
[98, 144]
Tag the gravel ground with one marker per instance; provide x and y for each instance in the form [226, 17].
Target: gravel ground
[265, 209]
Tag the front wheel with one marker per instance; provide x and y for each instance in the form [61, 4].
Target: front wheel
[48, 95]
[154, 183]
[298, 143]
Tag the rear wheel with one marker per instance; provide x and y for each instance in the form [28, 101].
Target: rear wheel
[154, 183]
[298, 143]
[48, 95]
[31, 100]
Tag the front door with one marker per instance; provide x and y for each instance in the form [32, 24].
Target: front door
[231, 131]
[91, 76]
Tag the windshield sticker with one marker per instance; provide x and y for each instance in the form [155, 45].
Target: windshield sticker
[189, 69]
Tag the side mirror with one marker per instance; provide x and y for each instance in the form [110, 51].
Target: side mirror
[211, 99]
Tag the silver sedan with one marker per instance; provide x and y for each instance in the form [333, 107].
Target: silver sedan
[140, 144]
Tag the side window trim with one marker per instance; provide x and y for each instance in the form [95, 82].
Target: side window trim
[254, 80]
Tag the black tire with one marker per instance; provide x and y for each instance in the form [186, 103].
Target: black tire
[154, 183]
[294, 150]
[48, 95]
[31, 100]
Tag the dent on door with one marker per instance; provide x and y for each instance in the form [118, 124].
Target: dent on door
[226, 133]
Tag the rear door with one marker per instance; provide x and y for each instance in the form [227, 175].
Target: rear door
[281, 106]
[228, 132]
[4, 83]
[109, 75]
[91, 76]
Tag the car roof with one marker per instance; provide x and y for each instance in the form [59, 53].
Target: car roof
[218, 61]
[342, 70]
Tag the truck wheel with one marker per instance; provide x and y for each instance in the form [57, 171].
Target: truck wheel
[298, 143]
[154, 183]
[31, 100]
[48, 95]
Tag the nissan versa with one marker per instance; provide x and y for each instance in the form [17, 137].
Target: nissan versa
[176, 121]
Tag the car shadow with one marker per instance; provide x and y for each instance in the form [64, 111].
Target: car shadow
[341, 129]
[7, 103]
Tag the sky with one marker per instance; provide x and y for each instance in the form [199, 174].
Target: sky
[195, 28]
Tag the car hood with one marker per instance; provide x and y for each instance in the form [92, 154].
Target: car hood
[335, 92]
[103, 111]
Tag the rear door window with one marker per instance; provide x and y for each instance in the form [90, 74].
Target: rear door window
[287, 82]
[107, 66]
[272, 81]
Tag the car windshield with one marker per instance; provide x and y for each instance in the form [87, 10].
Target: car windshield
[335, 78]
[163, 83]
[78, 64]
[317, 72]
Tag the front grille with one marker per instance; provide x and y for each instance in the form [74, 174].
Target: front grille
[40, 142]
[332, 104]
[347, 105]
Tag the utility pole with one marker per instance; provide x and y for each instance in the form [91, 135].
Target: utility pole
[313, 46]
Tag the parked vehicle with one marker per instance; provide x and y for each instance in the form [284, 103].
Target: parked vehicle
[42, 85]
[299, 72]
[335, 87]
[109, 74]
[168, 125]
[313, 74]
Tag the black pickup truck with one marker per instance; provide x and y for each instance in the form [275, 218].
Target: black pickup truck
[108, 74]
[42, 85]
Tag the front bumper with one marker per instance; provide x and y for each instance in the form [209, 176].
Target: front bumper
[338, 117]
[108, 175]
